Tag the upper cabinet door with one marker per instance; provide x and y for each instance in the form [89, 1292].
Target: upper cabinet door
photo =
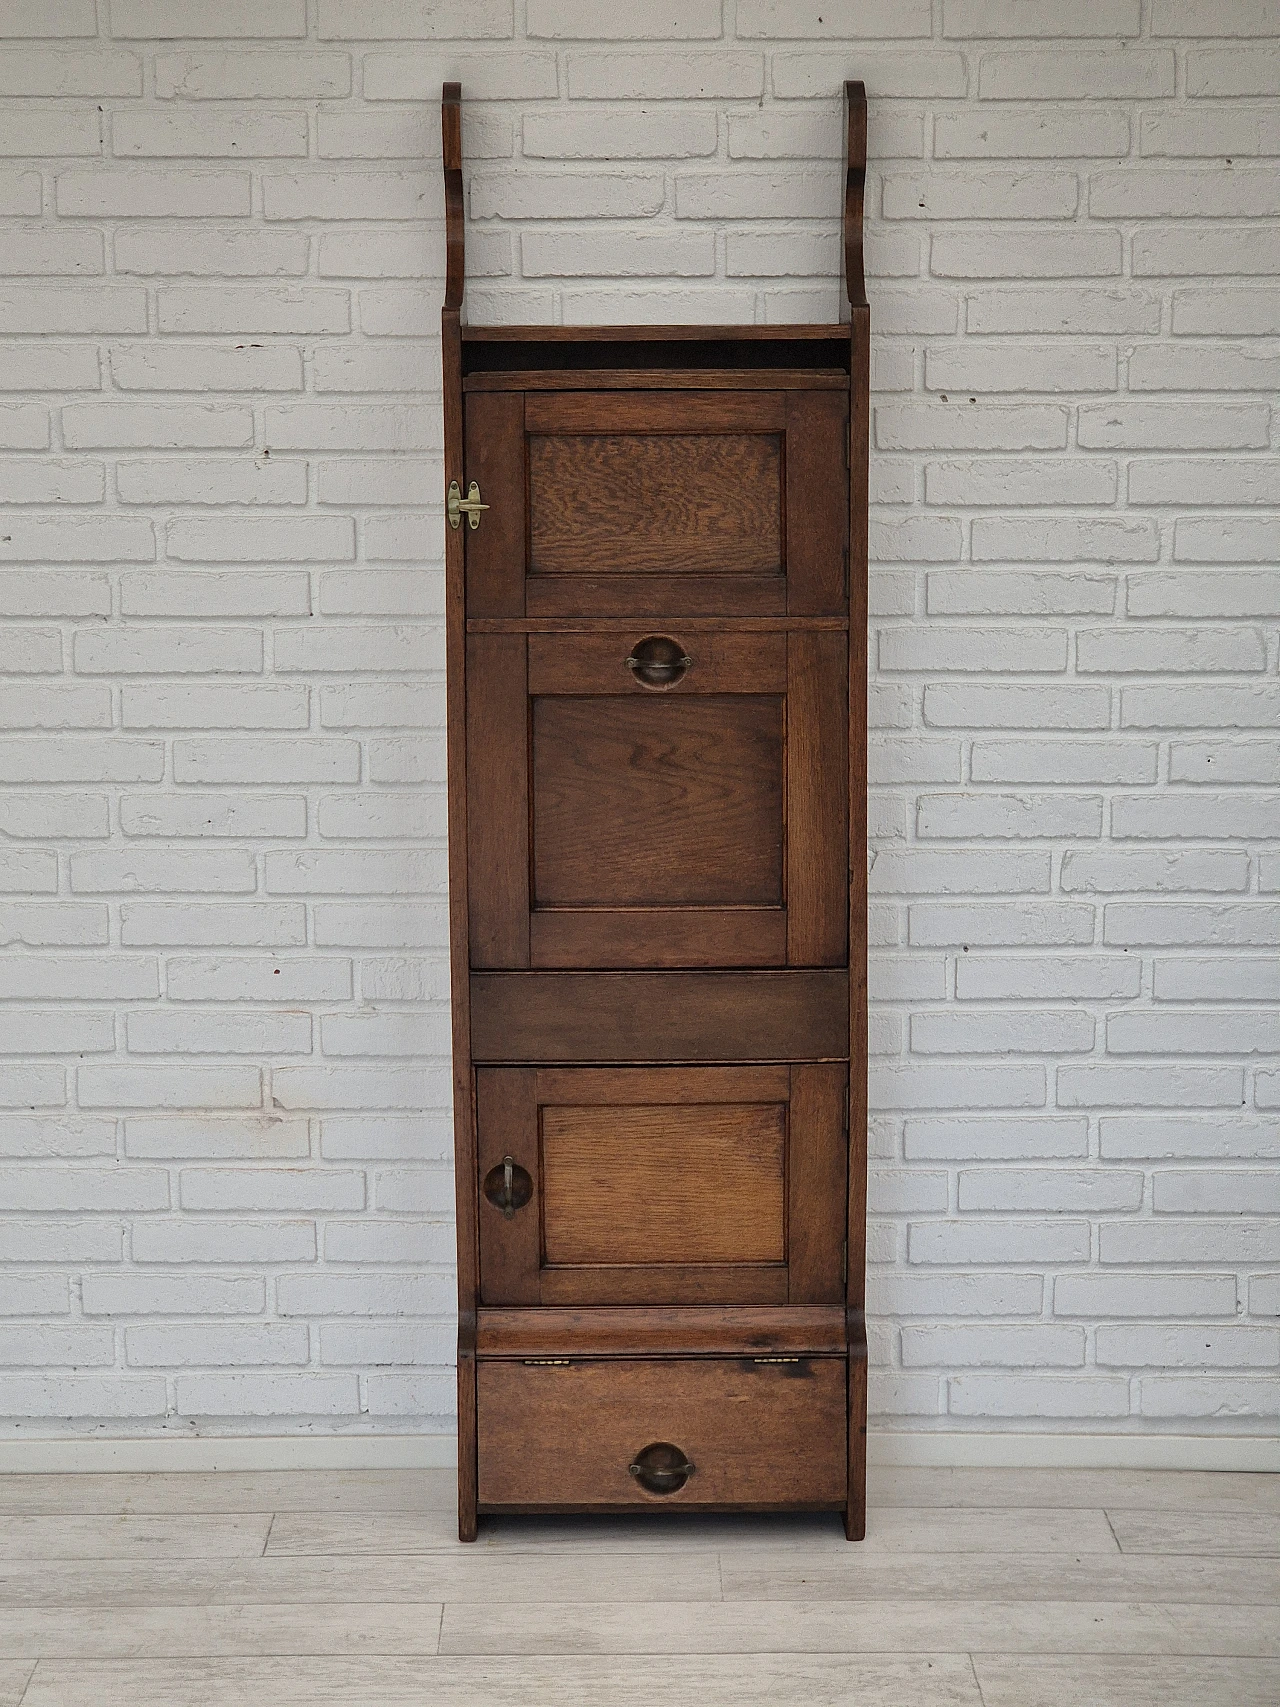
[607, 503]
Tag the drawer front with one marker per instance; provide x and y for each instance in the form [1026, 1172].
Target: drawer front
[610, 503]
[667, 796]
[757, 1434]
[650, 1185]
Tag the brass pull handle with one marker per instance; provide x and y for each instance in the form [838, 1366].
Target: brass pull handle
[508, 1186]
[658, 662]
[457, 506]
[661, 1468]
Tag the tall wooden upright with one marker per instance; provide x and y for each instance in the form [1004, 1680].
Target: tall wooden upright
[655, 559]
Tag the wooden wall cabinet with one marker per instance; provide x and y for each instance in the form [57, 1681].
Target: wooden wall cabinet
[656, 618]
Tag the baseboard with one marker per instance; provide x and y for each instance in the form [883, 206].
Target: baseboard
[923, 1450]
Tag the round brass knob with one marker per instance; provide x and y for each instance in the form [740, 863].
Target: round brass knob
[661, 1468]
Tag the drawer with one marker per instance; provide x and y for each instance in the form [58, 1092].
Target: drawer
[657, 795]
[759, 1435]
[653, 1185]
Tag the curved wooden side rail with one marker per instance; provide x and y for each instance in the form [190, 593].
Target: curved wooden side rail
[855, 178]
[454, 223]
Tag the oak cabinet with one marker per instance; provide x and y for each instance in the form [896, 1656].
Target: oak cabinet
[656, 605]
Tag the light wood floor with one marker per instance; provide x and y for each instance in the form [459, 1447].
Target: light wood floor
[1011, 1588]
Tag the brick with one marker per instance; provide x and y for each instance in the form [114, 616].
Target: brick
[296, 309]
[49, 250]
[370, 426]
[236, 251]
[1104, 1295]
[364, 134]
[1264, 1295]
[144, 870]
[208, 133]
[1184, 18]
[56, 593]
[72, 308]
[1078, 1191]
[1219, 131]
[1064, 73]
[1066, 1396]
[1219, 707]
[1065, 539]
[385, 1034]
[1184, 193]
[347, 195]
[242, 705]
[1197, 979]
[46, 1240]
[373, 20]
[51, 977]
[396, 312]
[405, 979]
[980, 194]
[26, 481]
[373, 480]
[386, 1137]
[986, 650]
[50, 132]
[1223, 817]
[149, 194]
[1000, 706]
[265, 761]
[1006, 481]
[893, 74]
[1117, 1084]
[212, 74]
[76, 1188]
[1059, 761]
[167, 426]
[1101, 871]
[267, 1395]
[138, 1294]
[36, 924]
[974, 1345]
[488, 75]
[212, 1240]
[1029, 924]
[47, 1031]
[285, 1189]
[259, 979]
[257, 1138]
[58, 816]
[995, 1242]
[1203, 366]
[1198, 651]
[69, 1397]
[380, 592]
[991, 367]
[1226, 539]
[257, 592]
[51, 18]
[1201, 1192]
[1167, 251]
[157, 20]
[1206, 1240]
[937, 1085]
[1134, 424]
[938, 426]
[995, 1138]
[1194, 924]
[51, 71]
[1001, 1031]
[915, 539]
[346, 649]
[168, 651]
[375, 705]
[42, 367]
[694, 74]
[1203, 480]
[159, 1344]
[261, 539]
[382, 814]
[385, 1343]
[34, 1294]
[1041, 132]
[222, 1033]
[1091, 312]
[931, 1295]
[663, 131]
[364, 1295]
[1214, 1396]
[344, 1087]
[968, 816]
[633, 254]
[248, 925]
[1223, 311]
[1082, 253]
[178, 367]
[351, 872]
[42, 1136]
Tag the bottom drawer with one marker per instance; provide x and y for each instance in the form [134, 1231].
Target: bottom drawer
[596, 1434]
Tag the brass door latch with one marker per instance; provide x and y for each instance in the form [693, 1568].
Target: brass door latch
[456, 506]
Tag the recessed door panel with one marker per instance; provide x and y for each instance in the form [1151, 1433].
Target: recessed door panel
[661, 1185]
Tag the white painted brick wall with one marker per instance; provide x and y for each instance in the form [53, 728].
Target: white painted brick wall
[224, 1131]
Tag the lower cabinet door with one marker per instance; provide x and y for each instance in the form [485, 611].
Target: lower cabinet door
[662, 1185]
[621, 1433]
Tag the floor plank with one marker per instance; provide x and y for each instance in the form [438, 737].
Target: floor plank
[868, 1627]
[1043, 1682]
[203, 1536]
[466, 1574]
[119, 1492]
[175, 1632]
[756, 1680]
[756, 1574]
[1159, 1490]
[894, 1529]
[1197, 1532]
[14, 1677]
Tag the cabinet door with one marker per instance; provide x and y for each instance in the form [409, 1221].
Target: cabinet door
[611, 503]
[662, 1185]
[617, 822]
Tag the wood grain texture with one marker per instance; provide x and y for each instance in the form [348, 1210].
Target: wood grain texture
[817, 502]
[658, 1183]
[759, 1434]
[507, 1124]
[660, 379]
[660, 1016]
[562, 1681]
[658, 801]
[15, 1674]
[656, 937]
[817, 809]
[454, 211]
[1040, 1681]
[855, 173]
[498, 800]
[665, 598]
[221, 1535]
[1256, 1533]
[726, 1330]
[603, 412]
[632, 503]
[734, 662]
[816, 1184]
[197, 1632]
[495, 460]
